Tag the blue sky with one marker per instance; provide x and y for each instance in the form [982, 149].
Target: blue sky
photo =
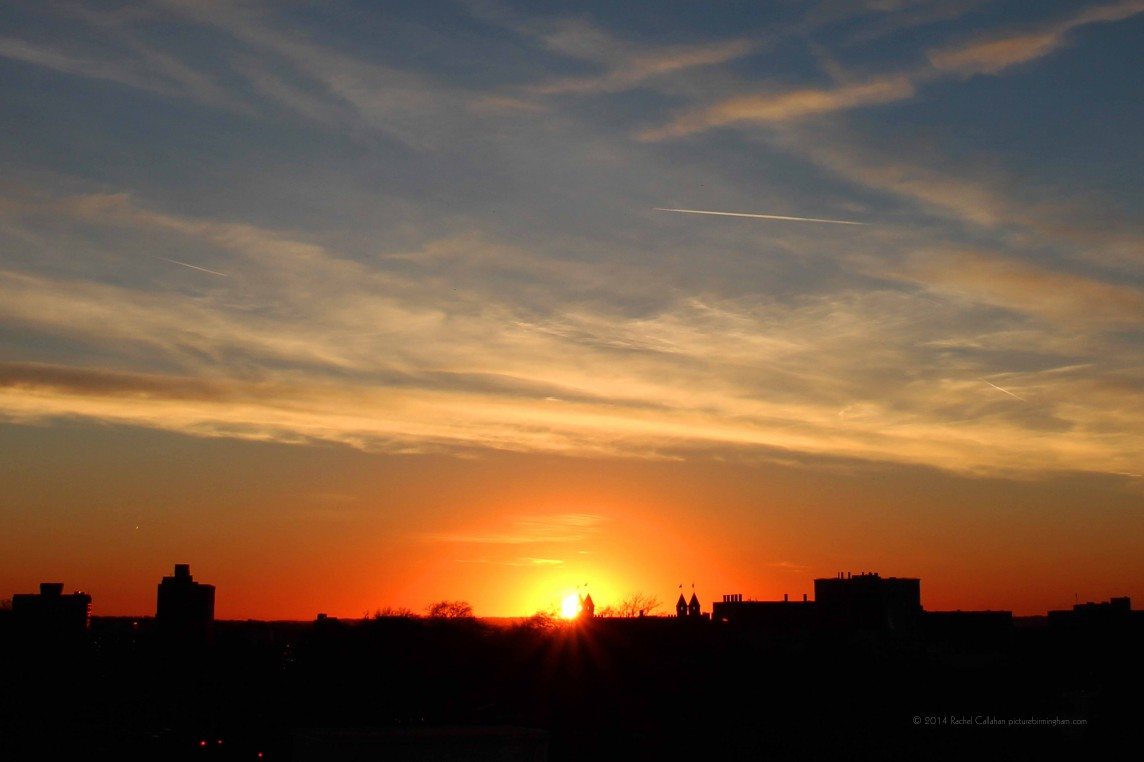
[434, 228]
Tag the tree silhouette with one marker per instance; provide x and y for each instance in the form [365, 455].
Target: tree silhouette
[449, 610]
[389, 612]
[633, 605]
[541, 620]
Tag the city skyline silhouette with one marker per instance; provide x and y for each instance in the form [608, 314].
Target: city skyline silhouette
[494, 379]
[861, 669]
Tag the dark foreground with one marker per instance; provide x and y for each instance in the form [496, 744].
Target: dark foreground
[419, 689]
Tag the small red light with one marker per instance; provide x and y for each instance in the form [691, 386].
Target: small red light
[203, 742]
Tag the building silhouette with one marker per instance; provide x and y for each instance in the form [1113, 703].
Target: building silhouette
[869, 601]
[685, 609]
[50, 615]
[779, 616]
[587, 607]
[184, 611]
[865, 601]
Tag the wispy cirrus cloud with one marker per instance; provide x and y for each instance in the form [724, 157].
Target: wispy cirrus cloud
[543, 307]
[628, 66]
[783, 106]
[1064, 298]
[990, 54]
[528, 530]
[521, 561]
[115, 53]
[981, 195]
[68, 62]
[262, 66]
[620, 62]
[303, 345]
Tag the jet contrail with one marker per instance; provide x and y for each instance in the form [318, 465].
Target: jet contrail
[193, 267]
[998, 388]
[762, 216]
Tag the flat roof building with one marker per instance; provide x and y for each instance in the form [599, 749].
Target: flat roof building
[184, 609]
[869, 601]
[50, 614]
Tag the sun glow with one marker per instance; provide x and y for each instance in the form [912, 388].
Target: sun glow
[570, 606]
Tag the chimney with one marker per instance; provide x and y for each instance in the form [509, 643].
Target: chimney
[51, 589]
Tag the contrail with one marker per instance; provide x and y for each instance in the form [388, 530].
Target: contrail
[763, 216]
[193, 267]
[998, 388]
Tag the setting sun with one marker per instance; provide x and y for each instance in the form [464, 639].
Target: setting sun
[570, 606]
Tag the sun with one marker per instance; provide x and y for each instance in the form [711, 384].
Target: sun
[570, 606]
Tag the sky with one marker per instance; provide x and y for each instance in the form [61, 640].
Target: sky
[356, 305]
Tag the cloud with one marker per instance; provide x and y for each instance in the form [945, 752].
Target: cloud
[990, 55]
[44, 378]
[259, 65]
[980, 195]
[635, 66]
[783, 106]
[994, 54]
[1063, 298]
[525, 561]
[115, 54]
[737, 398]
[67, 62]
[324, 84]
[427, 350]
[556, 528]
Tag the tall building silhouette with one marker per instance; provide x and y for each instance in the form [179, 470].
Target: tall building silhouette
[184, 611]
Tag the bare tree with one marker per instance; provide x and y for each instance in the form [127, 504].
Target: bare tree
[635, 604]
[390, 612]
[541, 620]
[449, 610]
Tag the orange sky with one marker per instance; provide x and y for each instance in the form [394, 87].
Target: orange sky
[351, 306]
[290, 531]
